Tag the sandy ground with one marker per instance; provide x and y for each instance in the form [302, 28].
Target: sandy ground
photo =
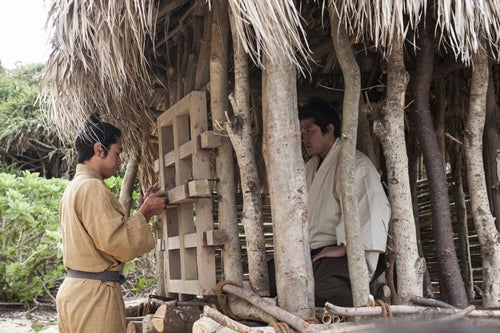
[23, 321]
[41, 320]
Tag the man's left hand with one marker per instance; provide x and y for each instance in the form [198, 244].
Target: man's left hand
[331, 252]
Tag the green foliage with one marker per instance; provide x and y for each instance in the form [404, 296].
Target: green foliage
[30, 247]
[28, 139]
[30, 242]
[140, 275]
[114, 183]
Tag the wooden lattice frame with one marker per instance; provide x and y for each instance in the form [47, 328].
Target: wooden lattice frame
[184, 171]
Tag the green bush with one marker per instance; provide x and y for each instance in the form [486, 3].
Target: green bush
[30, 244]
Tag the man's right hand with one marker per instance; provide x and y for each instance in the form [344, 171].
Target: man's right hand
[154, 204]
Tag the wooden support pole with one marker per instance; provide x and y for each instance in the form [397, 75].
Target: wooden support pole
[228, 322]
[292, 320]
[409, 309]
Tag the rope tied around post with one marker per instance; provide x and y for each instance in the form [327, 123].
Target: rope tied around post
[223, 302]
[386, 309]
[280, 327]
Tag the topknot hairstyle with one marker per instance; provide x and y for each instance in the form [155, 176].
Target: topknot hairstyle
[95, 131]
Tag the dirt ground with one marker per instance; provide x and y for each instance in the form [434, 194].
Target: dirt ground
[20, 320]
[41, 320]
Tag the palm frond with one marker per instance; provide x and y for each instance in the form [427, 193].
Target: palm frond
[273, 28]
[98, 65]
[462, 26]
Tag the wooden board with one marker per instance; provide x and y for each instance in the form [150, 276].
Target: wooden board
[185, 174]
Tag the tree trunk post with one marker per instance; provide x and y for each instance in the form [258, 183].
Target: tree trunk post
[483, 220]
[449, 272]
[389, 129]
[219, 104]
[461, 213]
[358, 271]
[240, 133]
[492, 151]
[287, 187]
[128, 183]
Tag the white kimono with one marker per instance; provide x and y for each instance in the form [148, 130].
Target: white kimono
[326, 223]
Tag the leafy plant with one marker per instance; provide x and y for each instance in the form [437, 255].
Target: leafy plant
[30, 243]
[28, 139]
[31, 264]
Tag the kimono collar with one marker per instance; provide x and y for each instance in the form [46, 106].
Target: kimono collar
[332, 153]
[82, 169]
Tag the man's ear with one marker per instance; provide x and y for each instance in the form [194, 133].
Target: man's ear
[330, 128]
[98, 149]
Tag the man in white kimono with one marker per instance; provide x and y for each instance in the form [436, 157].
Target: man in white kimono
[97, 237]
[320, 128]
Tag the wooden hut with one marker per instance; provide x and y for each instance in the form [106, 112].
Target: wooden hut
[206, 91]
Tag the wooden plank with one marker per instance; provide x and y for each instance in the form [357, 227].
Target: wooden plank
[192, 189]
[185, 287]
[199, 188]
[178, 194]
[169, 159]
[201, 170]
[210, 140]
[185, 150]
[190, 240]
[166, 179]
[214, 238]
[174, 243]
[180, 108]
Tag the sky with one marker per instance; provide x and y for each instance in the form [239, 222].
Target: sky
[23, 37]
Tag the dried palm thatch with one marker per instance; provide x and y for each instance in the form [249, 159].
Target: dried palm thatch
[467, 23]
[464, 26]
[98, 65]
[273, 28]
[103, 49]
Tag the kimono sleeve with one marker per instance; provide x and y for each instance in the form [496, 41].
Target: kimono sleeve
[104, 219]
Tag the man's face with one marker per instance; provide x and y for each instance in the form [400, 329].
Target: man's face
[110, 162]
[315, 142]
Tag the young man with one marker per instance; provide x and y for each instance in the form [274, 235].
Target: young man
[97, 238]
[320, 128]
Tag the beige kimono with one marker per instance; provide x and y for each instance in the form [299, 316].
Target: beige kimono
[326, 223]
[96, 237]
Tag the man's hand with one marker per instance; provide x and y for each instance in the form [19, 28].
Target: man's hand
[154, 202]
[331, 252]
[152, 189]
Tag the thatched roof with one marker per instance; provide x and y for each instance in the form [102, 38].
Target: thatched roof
[113, 57]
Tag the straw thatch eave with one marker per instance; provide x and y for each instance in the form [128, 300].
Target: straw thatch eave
[114, 57]
[98, 66]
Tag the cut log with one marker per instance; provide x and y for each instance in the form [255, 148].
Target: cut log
[171, 319]
[147, 325]
[159, 318]
[134, 327]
